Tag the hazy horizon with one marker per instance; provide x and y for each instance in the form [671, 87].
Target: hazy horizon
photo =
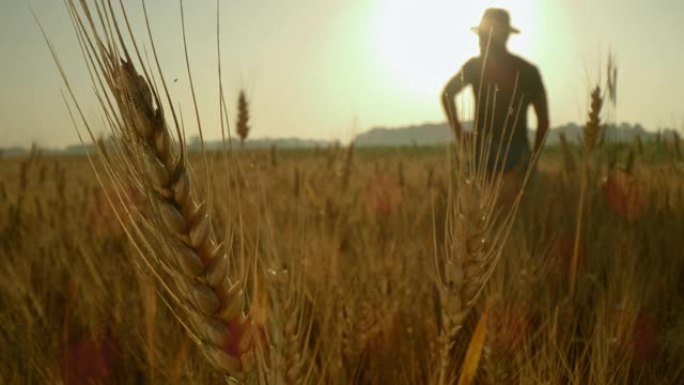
[330, 70]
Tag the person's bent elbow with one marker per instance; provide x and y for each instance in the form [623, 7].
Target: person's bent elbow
[446, 95]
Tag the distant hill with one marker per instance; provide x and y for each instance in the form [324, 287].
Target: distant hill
[440, 133]
[428, 134]
[10, 152]
[79, 149]
[622, 133]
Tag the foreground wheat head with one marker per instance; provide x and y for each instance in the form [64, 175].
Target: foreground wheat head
[173, 233]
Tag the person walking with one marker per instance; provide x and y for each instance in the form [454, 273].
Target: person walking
[504, 86]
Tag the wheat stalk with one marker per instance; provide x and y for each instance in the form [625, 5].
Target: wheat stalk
[639, 144]
[400, 174]
[676, 145]
[3, 192]
[273, 155]
[348, 164]
[568, 158]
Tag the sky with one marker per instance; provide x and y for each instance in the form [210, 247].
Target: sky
[331, 69]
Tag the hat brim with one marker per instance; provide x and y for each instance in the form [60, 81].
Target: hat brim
[509, 30]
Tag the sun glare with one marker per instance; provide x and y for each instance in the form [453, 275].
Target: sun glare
[421, 44]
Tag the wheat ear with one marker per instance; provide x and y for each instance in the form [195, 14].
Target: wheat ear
[591, 134]
[176, 239]
[476, 232]
[592, 130]
[213, 301]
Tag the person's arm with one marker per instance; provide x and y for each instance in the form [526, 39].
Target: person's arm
[452, 88]
[541, 110]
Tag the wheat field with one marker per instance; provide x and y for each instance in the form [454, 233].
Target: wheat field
[360, 257]
[147, 263]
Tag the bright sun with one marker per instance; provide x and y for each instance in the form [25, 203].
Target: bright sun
[423, 43]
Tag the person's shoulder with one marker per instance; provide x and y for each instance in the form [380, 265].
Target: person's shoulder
[529, 76]
[473, 63]
[523, 64]
[470, 70]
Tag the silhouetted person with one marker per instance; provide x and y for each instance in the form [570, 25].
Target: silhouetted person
[504, 86]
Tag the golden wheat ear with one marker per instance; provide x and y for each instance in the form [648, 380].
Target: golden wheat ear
[173, 230]
[476, 231]
[194, 260]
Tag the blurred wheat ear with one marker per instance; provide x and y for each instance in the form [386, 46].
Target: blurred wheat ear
[478, 225]
[174, 233]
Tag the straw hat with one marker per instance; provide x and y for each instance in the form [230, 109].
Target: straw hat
[496, 19]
